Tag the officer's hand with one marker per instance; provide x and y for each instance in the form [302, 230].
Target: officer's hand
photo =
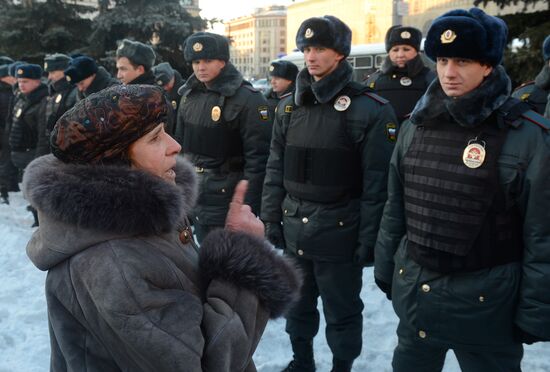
[524, 337]
[240, 217]
[274, 233]
[363, 256]
[384, 287]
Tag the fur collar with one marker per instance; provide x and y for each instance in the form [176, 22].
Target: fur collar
[59, 86]
[102, 79]
[469, 110]
[146, 78]
[543, 78]
[36, 95]
[325, 89]
[411, 69]
[226, 84]
[109, 198]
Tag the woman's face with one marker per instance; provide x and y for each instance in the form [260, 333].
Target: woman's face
[156, 153]
[401, 54]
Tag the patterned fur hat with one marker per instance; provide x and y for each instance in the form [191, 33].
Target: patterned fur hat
[467, 34]
[101, 127]
[138, 53]
[327, 31]
[546, 48]
[206, 45]
[403, 35]
[283, 69]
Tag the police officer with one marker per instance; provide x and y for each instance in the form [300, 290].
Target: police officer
[283, 75]
[7, 182]
[88, 77]
[326, 183]
[224, 128]
[403, 78]
[134, 61]
[464, 243]
[536, 92]
[170, 80]
[62, 96]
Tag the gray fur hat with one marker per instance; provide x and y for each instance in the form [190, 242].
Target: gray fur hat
[206, 45]
[327, 31]
[56, 62]
[138, 53]
[163, 73]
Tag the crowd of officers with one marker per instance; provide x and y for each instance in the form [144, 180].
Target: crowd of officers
[439, 178]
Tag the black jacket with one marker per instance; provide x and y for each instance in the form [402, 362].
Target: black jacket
[103, 79]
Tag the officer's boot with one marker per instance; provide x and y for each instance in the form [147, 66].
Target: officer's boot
[339, 365]
[302, 360]
[4, 196]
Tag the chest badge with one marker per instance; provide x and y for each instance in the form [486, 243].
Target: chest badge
[58, 98]
[174, 105]
[18, 113]
[342, 103]
[216, 113]
[405, 81]
[474, 154]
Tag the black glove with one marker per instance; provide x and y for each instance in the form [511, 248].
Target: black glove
[524, 337]
[384, 287]
[274, 233]
[363, 256]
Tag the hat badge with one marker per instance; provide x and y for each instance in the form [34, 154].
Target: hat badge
[45, 65]
[405, 35]
[20, 71]
[68, 78]
[309, 33]
[197, 47]
[159, 82]
[448, 37]
[271, 68]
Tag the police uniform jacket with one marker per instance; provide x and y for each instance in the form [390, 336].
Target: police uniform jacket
[128, 290]
[27, 121]
[175, 100]
[473, 298]
[536, 92]
[6, 97]
[273, 98]
[62, 96]
[225, 131]
[102, 80]
[403, 87]
[327, 169]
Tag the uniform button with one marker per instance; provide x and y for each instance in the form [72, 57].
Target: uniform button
[223, 190]
[341, 223]
[305, 220]
[300, 252]
[481, 299]
[422, 334]
[197, 218]
[401, 271]
[394, 76]
[425, 288]
[286, 211]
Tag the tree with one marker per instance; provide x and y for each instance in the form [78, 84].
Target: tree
[31, 29]
[162, 23]
[526, 29]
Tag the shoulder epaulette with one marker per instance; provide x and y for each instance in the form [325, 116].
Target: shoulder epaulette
[535, 118]
[250, 88]
[377, 98]
[525, 84]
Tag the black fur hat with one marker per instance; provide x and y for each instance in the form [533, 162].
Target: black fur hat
[283, 69]
[467, 34]
[12, 67]
[403, 35]
[138, 53]
[56, 62]
[29, 71]
[206, 45]
[163, 73]
[327, 31]
[80, 68]
[5, 60]
[546, 48]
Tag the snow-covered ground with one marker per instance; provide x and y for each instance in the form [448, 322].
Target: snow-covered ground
[24, 342]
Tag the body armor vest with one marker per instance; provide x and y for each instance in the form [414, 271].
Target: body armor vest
[321, 163]
[454, 214]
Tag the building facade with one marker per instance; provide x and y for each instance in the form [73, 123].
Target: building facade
[257, 39]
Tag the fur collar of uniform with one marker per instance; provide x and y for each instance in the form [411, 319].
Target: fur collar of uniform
[102, 80]
[543, 78]
[325, 89]
[412, 68]
[59, 86]
[36, 95]
[109, 198]
[469, 110]
[226, 84]
[146, 78]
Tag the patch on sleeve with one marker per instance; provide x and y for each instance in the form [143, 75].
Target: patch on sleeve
[391, 132]
[371, 85]
[288, 109]
[262, 110]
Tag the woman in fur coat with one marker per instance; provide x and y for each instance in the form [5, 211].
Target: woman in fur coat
[127, 289]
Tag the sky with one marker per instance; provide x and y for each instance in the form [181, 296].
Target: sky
[24, 340]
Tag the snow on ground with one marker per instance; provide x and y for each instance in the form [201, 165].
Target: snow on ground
[24, 341]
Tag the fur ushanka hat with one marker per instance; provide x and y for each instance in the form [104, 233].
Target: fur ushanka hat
[403, 35]
[283, 69]
[206, 45]
[327, 31]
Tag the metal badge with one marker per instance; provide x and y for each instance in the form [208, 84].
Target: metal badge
[68, 78]
[474, 154]
[20, 71]
[159, 82]
[342, 103]
[405, 35]
[309, 33]
[58, 98]
[18, 113]
[271, 68]
[448, 37]
[216, 113]
[45, 65]
[405, 81]
[174, 104]
[197, 47]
